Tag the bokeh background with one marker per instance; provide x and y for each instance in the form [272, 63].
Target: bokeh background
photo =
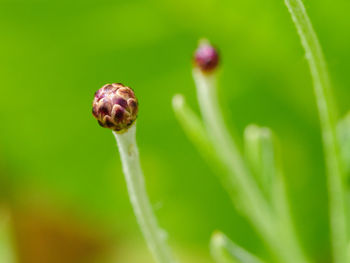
[63, 195]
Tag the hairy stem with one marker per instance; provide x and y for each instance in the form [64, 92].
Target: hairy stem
[155, 237]
[327, 115]
[250, 198]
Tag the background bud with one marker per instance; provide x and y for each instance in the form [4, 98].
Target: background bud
[115, 107]
[206, 57]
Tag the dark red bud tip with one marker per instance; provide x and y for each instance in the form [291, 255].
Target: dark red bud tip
[115, 107]
[206, 57]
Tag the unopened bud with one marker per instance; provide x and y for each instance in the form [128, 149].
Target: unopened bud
[115, 107]
[206, 57]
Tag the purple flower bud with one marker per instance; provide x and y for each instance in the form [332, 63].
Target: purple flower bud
[115, 107]
[206, 57]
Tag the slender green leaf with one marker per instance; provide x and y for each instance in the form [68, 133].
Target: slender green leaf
[328, 120]
[196, 132]
[224, 250]
[260, 154]
[193, 127]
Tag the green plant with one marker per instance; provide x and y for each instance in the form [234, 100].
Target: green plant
[328, 118]
[253, 178]
[115, 107]
[255, 181]
[262, 201]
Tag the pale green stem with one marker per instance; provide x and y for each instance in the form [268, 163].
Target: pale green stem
[197, 134]
[155, 237]
[242, 184]
[224, 250]
[226, 149]
[286, 227]
[195, 131]
[262, 152]
[327, 115]
[193, 126]
[260, 155]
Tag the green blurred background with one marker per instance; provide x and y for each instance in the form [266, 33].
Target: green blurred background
[60, 172]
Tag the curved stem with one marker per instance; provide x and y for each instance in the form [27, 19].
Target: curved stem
[155, 237]
[224, 250]
[226, 149]
[327, 115]
[250, 198]
[196, 132]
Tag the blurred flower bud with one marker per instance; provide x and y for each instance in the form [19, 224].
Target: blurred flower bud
[115, 107]
[206, 57]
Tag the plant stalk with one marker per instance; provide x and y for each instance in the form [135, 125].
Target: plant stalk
[242, 184]
[327, 115]
[226, 149]
[155, 237]
[224, 250]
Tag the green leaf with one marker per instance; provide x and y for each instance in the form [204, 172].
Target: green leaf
[224, 250]
[260, 152]
[193, 126]
[263, 156]
[196, 133]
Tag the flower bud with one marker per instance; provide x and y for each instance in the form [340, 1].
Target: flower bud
[206, 57]
[115, 107]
